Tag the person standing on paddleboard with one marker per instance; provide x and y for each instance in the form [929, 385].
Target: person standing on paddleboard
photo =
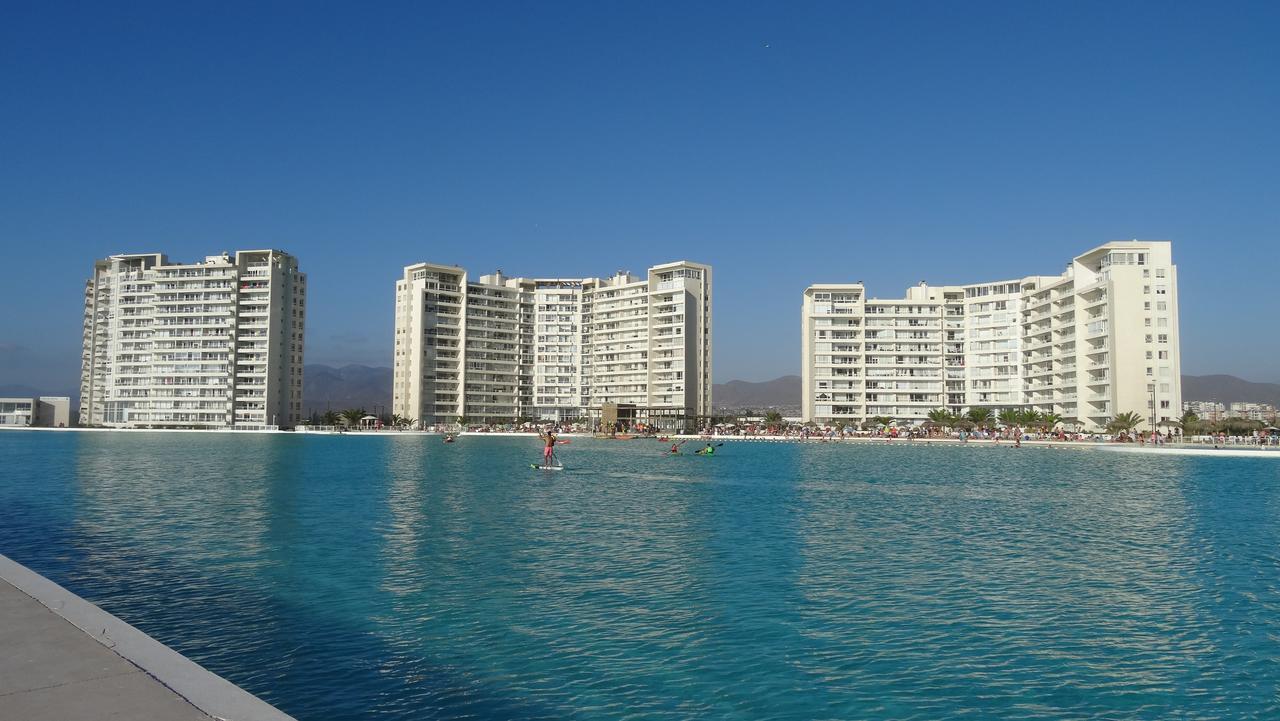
[548, 451]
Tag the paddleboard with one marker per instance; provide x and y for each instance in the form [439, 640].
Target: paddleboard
[546, 468]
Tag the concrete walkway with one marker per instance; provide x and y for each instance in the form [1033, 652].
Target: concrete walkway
[53, 667]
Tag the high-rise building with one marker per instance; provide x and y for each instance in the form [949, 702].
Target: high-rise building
[1099, 340]
[496, 349]
[215, 344]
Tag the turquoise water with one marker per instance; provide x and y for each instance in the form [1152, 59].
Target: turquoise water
[402, 578]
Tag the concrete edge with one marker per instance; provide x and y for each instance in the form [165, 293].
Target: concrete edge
[203, 689]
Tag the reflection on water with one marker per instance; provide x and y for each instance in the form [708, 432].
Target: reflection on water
[347, 577]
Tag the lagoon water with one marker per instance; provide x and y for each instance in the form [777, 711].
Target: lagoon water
[346, 577]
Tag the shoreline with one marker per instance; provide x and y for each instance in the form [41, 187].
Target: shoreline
[1181, 449]
[1240, 450]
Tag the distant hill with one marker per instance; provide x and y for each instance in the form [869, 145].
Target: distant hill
[351, 386]
[358, 386]
[780, 393]
[1228, 389]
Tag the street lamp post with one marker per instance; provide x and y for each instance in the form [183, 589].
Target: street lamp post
[1153, 409]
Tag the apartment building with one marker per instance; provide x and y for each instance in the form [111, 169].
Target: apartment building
[1206, 410]
[495, 348]
[1252, 411]
[215, 345]
[1214, 411]
[1098, 340]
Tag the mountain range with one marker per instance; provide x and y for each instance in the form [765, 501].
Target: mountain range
[351, 386]
[1228, 389]
[359, 386]
[363, 387]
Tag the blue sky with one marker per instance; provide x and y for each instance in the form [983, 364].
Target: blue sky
[785, 144]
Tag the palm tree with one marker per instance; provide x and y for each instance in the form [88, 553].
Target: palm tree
[352, 416]
[1009, 417]
[330, 418]
[980, 417]
[1050, 421]
[1189, 423]
[1124, 423]
[409, 422]
[941, 416]
[884, 421]
[772, 418]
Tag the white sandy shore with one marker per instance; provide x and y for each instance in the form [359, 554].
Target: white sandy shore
[1181, 450]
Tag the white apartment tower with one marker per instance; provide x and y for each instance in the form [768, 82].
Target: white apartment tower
[215, 344]
[496, 349]
[1099, 340]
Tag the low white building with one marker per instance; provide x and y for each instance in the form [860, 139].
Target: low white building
[42, 411]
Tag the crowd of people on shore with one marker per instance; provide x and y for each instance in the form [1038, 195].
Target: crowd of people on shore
[924, 432]
[995, 435]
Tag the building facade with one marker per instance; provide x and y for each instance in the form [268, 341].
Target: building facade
[1206, 410]
[1098, 340]
[1252, 411]
[215, 345]
[495, 349]
[40, 412]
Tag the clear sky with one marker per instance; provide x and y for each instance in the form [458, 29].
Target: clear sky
[785, 144]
